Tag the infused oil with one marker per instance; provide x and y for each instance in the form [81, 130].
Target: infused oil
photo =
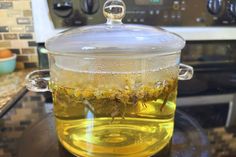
[115, 114]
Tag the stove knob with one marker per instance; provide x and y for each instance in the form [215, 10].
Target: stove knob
[215, 7]
[232, 7]
[90, 6]
[63, 9]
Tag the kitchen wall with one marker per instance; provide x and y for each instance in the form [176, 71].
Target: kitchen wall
[17, 32]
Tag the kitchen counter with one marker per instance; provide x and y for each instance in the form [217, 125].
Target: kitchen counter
[11, 87]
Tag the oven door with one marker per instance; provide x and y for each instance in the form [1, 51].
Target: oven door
[212, 91]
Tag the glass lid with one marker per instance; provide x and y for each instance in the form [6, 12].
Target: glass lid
[115, 38]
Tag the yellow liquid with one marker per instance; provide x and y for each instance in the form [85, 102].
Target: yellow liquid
[129, 137]
[115, 123]
[101, 138]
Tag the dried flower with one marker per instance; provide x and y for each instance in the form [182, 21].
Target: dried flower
[114, 99]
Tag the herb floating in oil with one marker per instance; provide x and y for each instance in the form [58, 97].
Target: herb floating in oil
[168, 89]
[119, 100]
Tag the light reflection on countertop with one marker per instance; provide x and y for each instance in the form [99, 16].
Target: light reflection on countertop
[11, 86]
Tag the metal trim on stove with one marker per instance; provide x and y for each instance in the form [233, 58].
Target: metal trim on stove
[231, 119]
[204, 33]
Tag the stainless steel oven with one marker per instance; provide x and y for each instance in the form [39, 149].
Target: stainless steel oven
[208, 26]
[192, 19]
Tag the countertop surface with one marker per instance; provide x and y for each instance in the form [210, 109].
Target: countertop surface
[11, 87]
[32, 108]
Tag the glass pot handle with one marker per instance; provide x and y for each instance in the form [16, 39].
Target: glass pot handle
[37, 81]
[185, 72]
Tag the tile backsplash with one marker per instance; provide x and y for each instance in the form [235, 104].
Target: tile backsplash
[17, 31]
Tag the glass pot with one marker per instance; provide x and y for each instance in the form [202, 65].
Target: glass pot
[114, 86]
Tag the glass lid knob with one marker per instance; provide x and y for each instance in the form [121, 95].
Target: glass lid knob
[114, 11]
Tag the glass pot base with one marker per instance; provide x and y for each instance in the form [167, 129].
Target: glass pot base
[129, 137]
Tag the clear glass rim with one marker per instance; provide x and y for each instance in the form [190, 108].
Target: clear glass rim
[110, 55]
